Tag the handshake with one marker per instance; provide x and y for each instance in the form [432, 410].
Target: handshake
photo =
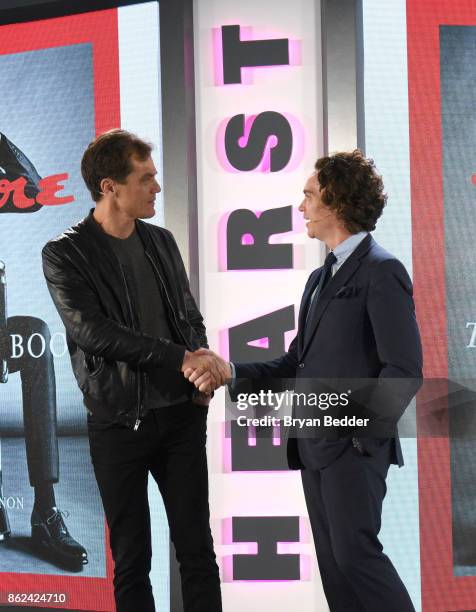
[206, 370]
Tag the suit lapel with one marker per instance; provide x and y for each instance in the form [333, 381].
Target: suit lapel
[304, 306]
[340, 278]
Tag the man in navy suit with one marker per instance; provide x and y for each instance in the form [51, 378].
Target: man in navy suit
[357, 321]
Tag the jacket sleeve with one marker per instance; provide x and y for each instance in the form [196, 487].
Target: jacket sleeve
[193, 314]
[275, 375]
[391, 311]
[392, 315]
[281, 367]
[87, 325]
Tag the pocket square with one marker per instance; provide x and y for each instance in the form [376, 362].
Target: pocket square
[347, 292]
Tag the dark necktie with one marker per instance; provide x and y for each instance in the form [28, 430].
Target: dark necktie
[326, 275]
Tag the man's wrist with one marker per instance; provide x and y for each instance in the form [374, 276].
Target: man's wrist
[233, 373]
[180, 355]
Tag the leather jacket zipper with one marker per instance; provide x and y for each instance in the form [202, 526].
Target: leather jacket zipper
[168, 298]
[139, 390]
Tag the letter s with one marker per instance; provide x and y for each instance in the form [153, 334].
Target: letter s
[265, 125]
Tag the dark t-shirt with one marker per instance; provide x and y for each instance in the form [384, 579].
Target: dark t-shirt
[164, 387]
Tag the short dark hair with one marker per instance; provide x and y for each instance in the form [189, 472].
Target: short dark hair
[352, 187]
[109, 156]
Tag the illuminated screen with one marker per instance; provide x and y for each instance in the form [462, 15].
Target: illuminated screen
[63, 81]
[419, 116]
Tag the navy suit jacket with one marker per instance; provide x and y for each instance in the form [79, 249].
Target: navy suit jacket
[363, 327]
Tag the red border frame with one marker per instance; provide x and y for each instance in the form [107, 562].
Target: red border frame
[101, 30]
[441, 590]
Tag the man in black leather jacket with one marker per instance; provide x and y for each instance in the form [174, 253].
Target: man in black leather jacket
[132, 327]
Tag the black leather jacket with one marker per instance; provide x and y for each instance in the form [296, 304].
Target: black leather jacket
[108, 352]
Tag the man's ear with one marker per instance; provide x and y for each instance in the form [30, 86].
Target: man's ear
[106, 186]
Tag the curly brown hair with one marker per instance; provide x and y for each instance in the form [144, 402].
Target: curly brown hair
[351, 186]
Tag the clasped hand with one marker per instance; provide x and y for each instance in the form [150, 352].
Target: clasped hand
[205, 369]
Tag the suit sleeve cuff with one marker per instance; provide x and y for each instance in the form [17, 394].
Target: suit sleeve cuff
[232, 382]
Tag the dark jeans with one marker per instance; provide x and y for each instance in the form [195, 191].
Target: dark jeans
[344, 501]
[39, 400]
[170, 444]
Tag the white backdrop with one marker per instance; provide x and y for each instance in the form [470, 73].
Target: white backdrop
[228, 298]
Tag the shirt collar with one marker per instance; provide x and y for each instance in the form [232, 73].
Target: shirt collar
[348, 246]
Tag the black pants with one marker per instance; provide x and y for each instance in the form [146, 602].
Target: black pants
[39, 400]
[344, 501]
[170, 444]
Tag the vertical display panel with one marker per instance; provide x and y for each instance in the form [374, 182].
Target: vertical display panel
[384, 115]
[440, 50]
[63, 81]
[259, 132]
[418, 111]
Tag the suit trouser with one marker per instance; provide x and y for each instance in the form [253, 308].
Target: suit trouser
[344, 501]
[39, 399]
[170, 444]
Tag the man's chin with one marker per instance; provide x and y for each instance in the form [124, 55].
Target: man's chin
[148, 214]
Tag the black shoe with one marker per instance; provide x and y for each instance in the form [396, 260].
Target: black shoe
[4, 522]
[52, 537]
